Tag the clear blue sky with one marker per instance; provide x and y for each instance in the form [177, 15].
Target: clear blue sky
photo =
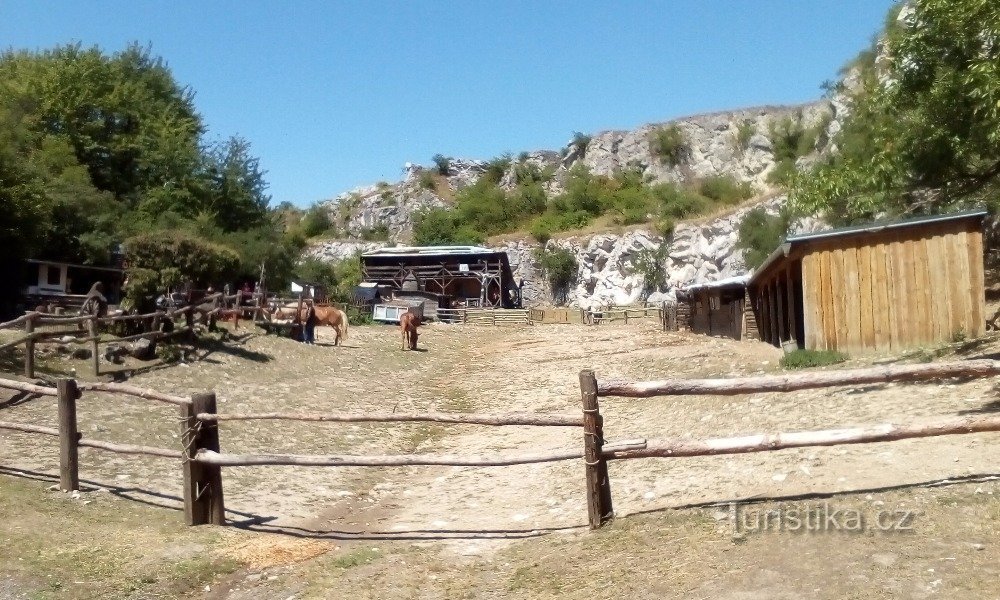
[333, 95]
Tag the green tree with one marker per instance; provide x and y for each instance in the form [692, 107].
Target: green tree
[923, 136]
[560, 268]
[760, 233]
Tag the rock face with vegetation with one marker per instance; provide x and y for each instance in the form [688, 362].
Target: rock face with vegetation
[658, 174]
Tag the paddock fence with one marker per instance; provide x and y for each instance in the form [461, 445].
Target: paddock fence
[599, 503]
[85, 329]
[201, 459]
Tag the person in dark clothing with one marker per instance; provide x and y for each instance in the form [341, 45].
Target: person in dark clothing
[309, 324]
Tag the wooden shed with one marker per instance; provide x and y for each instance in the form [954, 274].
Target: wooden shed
[879, 287]
[719, 308]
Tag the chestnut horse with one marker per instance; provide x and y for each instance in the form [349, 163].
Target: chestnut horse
[325, 315]
[408, 323]
[332, 316]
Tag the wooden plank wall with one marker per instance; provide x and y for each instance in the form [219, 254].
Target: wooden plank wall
[894, 290]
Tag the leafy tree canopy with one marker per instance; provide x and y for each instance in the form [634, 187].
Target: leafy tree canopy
[923, 134]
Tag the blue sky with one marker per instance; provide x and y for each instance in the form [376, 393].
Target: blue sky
[333, 95]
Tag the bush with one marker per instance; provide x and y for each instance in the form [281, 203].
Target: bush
[378, 233]
[678, 203]
[443, 163]
[665, 227]
[744, 132]
[497, 168]
[581, 141]
[560, 268]
[803, 359]
[669, 144]
[725, 190]
[760, 233]
[315, 221]
[441, 227]
[783, 173]
[427, 180]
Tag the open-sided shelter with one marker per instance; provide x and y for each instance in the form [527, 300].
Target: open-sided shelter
[471, 275]
[884, 286]
[719, 308]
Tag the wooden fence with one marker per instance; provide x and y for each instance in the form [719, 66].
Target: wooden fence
[599, 505]
[31, 321]
[201, 460]
[666, 314]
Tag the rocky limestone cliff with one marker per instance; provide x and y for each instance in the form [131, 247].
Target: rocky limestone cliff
[386, 210]
[607, 274]
[733, 143]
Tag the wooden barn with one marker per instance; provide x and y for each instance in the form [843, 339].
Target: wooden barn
[885, 286]
[467, 275]
[719, 308]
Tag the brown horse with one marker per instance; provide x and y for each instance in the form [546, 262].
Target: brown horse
[408, 323]
[332, 316]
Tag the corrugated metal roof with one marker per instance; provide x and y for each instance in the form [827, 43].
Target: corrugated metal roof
[738, 281]
[877, 227]
[428, 250]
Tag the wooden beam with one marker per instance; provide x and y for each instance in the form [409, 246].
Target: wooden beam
[69, 460]
[375, 417]
[765, 442]
[208, 457]
[789, 383]
[599, 507]
[130, 390]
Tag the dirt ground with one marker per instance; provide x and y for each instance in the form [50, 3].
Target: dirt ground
[455, 532]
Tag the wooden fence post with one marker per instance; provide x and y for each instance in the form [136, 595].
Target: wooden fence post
[29, 348]
[203, 502]
[599, 508]
[69, 462]
[95, 345]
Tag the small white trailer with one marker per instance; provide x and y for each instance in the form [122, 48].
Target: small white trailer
[390, 313]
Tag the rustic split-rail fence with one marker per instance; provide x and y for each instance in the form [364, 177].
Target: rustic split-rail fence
[201, 460]
[33, 320]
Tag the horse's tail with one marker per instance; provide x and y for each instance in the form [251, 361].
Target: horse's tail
[343, 325]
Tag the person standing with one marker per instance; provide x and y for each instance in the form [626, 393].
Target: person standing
[309, 324]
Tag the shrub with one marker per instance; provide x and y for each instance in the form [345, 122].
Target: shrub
[678, 203]
[560, 268]
[581, 141]
[803, 359]
[315, 221]
[378, 233]
[744, 132]
[669, 144]
[760, 233]
[649, 262]
[725, 189]
[790, 139]
[443, 163]
[440, 227]
[427, 180]
[496, 168]
[783, 173]
[665, 227]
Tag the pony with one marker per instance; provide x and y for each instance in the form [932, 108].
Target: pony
[408, 323]
[332, 316]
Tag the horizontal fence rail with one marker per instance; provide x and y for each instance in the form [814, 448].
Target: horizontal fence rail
[791, 383]
[764, 442]
[401, 460]
[457, 418]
